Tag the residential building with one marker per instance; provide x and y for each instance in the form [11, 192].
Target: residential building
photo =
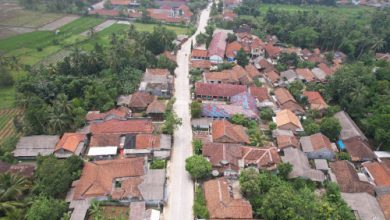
[217, 91]
[348, 127]
[70, 144]
[315, 100]
[289, 76]
[140, 100]
[228, 15]
[217, 47]
[121, 113]
[200, 64]
[319, 74]
[24, 169]
[384, 202]
[272, 51]
[252, 71]
[225, 132]
[363, 205]
[378, 173]
[272, 77]
[359, 150]
[232, 50]
[156, 110]
[285, 141]
[29, 147]
[222, 204]
[264, 65]
[286, 101]
[301, 165]
[305, 74]
[286, 120]
[150, 145]
[122, 127]
[158, 82]
[347, 178]
[168, 14]
[199, 54]
[236, 75]
[318, 146]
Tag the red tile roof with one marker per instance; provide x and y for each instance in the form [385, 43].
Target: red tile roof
[218, 90]
[232, 49]
[105, 12]
[97, 177]
[221, 204]
[384, 202]
[283, 95]
[70, 141]
[120, 2]
[306, 74]
[199, 53]
[147, 141]
[156, 107]
[141, 100]
[105, 140]
[201, 64]
[169, 55]
[226, 132]
[284, 141]
[358, 149]
[266, 157]
[315, 99]
[229, 15]
[320, 141]
[379, 172]
[117, 113]
[325, 68]
[257, 42]
[348, 179]
[261, 93]
[252, 71]
[265, 65]
[218, 45]
[273, 76]
[272, 50]
[157, 72]
[122, 127]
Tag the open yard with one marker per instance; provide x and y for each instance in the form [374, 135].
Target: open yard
[113, 212]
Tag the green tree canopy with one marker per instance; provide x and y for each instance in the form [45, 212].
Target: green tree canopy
[198, 167]
[331, 128]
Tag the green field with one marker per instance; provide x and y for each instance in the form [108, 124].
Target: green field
[27, 18]
[7, 97]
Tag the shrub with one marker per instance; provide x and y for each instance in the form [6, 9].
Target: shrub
[197, 146]
[198, 167]
[158, 164]
[199, 208]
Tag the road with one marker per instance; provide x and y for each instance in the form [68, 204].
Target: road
[180, 185]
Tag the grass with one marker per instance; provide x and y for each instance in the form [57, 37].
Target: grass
[27, 18]
[7, 97]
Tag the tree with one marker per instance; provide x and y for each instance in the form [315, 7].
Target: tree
[242, 58]
[164, 63]
[171, 123]
[266, 114]
[197, 146]
[6, 79]
[284, 169]
[12, 187]
[220, 6]
[231, 38]
[331, 128]
[198, 167]
[272, 126]
[310, 127]
[201, 38]
[46, 208]
[305, 37]
[250, 182]
[199, 208]
[196, 109]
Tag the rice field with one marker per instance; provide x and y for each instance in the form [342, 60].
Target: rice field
[7, 128]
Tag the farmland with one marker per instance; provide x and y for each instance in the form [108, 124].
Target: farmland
[6, 122]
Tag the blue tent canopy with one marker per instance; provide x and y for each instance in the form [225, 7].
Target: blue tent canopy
[341, 145]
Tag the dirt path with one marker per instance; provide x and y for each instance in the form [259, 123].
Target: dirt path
[100, 27]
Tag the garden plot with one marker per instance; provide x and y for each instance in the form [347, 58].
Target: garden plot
[59, 23]
[100, 27]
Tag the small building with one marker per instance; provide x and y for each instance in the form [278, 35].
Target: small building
[252, 71]
[158, 82]
[286, 141]
[318, 146]
[378, 173]
[286, 101]
[289, 76]
[322, 165]
[363, 205]
[272, 51]
[305, 74]
[121, 113]
[359, 150]
[237, 75]
[30, 147]
[140, 101]
[156, 110]
[200, 64]
[384, 202]
[272, 77]
[315, 100]
[149, 145]
[232, 50]
[319, 74]
[211, 91]
[301, 165]
[122, 127]
[103, 153]
[222, 204]
[348, 127]
[24, 169]
[70, 144]
[286, 120]
[217, 47]
[199, 54]
[225, 132]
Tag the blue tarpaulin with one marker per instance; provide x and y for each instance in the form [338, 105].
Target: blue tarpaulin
[341, 145]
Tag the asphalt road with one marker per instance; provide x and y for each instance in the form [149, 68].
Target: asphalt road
[180, 185]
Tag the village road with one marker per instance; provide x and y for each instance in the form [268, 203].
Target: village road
[180, 185]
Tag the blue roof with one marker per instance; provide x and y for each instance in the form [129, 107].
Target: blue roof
[341, 145]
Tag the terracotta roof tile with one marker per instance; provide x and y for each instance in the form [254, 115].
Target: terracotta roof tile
[116, 113]
[384, 202]
[348, 179]
[70, 141]
[169, 55]
[379, 172]
[285, 117]
[218, 90]
[315, 99]
[287, 101]
[225, 132]
[266, 157]
[97, 177]
[118, 126]
[232, 49]
[265, 65]
[104, 140]
[272, 50]
[221, 204]
[358, 149]
[252, 71]
[306, 74]
[199, 53]
[156, 107]
[217, 152]
[141, 100]
[157, 72]
[273, 76]
[218, 44]
[325, 68]
[120, 2]
[284, 141]
[261, 93]
[147, 141]
[201, 64]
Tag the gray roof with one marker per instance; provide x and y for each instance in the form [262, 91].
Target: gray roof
[349, 128]
[321, 164]
[366, 207]
[201, 122]
[152, 188]
[137, 210]
[32, 146]
[306, 144]
[123, 100]
[301, 166]
[290, 75]
[279, 132]
[165, 141]
[319, 73]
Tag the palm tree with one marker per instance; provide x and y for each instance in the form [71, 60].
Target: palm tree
[95, 210]
[12, 187]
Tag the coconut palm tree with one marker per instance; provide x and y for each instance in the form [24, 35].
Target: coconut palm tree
[12, 187]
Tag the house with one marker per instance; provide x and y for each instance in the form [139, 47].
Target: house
[262, 97]
[151, 145]
[289, 76]
[301, 165]
[222, 204]
[158, 82]
[315, 100]
[102, 153]
[200, 64]
[348, 179]
[318, 146]
[322, 165]
[383, 56]
[378, 173]
[225, 132]
[384, 202]
[286, 101]
[156, 110]
[348, 127]
[305, 74]
[168, 14]
[325, 69]
[229, 159]
[232, 50]
[236, 75]
[252, 71]
[122, 127]
[231, 4]
[272, 51]
[264, 65]
[140, 100]
[107, 140]
[272, 77]
[30, 147]
[216, 110]
[169, 55]
[199, 54]
[217, 47]
[217, 91]
[24, 169]
[286, 120]
[70, 144]
[319, 74]
[363, 205]
[228, 15]
[257, 47]
[359, 150]
[285, 141]
[121, 113]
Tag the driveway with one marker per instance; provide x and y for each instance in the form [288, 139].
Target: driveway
[180, 185]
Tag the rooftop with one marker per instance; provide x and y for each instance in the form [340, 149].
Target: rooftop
[32, 146]
[349, 128]
[122, 127]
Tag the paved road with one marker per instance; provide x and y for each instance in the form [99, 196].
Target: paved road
[180, 185]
